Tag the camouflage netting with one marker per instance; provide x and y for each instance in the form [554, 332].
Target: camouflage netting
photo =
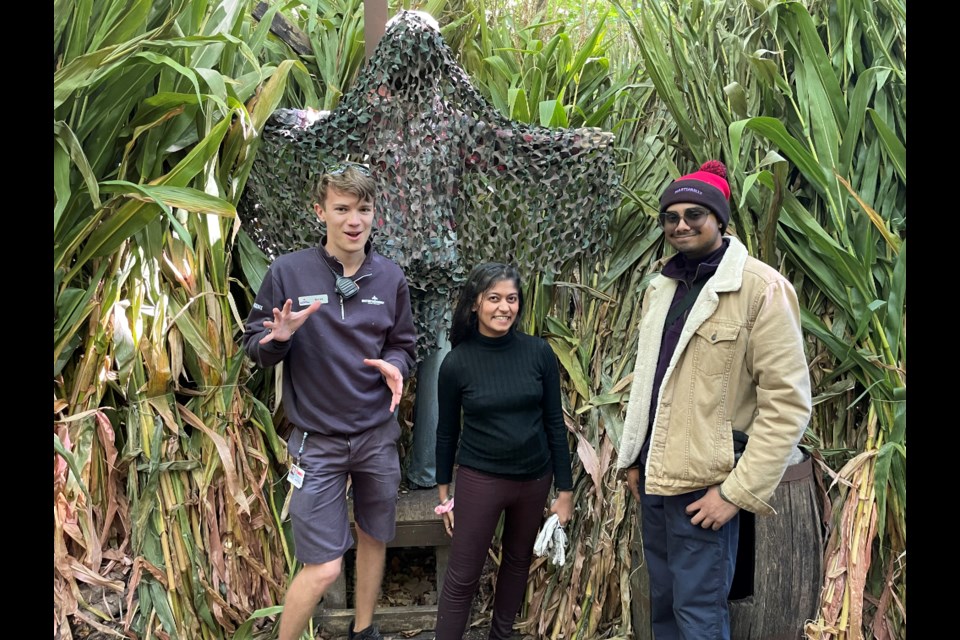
[459, 183]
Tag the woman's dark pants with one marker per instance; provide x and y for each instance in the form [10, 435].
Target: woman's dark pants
[480, 499]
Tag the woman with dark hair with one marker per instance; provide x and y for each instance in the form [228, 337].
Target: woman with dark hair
[512, 442]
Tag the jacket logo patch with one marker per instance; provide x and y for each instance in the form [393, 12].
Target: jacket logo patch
[373, 300]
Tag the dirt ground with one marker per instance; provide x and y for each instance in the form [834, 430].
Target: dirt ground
[476, 633]
[479, 632]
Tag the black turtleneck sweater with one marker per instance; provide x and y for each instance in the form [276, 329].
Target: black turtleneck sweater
[508, 389]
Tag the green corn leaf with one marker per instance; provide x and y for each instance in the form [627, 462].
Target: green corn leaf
[883, 479]
[552, 114]
[819, 254]
[498, 64]
[737, 97]
[73, 306]
[163, 60]
[773, 130]
[263, 420]
[79, 73]
[262, 30]
[245, 630]
[894, 149]
[64, 16]
[894, 325]
[217, 85]
[135, 215]
[194, 333]
[61, 183]
[253, 262]
[131, 18]
[825, 131]
[627, 254]
[78, 35]
[68, 141]
[186, 198]
[517, 101]
[60, 450]
[602, 399]
[859, 99]
[815, 59]
[589, 47]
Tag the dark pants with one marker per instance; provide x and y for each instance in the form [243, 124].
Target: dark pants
[480, 500]
[691, 569]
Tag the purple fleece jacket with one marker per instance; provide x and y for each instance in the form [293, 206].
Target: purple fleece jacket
[326, 387]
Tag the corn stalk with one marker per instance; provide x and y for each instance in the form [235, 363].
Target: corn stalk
[165, 478]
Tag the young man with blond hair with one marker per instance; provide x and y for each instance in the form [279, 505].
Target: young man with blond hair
[338, 317]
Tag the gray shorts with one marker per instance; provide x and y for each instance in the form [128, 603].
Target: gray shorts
[321, 528]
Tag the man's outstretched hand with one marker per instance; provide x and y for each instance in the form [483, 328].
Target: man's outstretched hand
[391, 375]
[285, 322]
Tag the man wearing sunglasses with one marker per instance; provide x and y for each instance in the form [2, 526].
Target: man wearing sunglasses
[720, 365]
[338, 317]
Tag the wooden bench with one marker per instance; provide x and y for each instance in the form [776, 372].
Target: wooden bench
[417, 526]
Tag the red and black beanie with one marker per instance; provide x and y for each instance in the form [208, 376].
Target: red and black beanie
[707, 187]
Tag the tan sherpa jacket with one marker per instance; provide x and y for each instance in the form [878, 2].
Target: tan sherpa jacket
[739, 364]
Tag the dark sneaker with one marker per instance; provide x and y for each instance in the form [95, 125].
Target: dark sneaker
[370, 633]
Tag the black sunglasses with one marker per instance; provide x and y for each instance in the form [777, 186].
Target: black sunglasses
[692, 217]
[339, 168]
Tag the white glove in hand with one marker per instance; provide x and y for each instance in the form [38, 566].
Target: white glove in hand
[552, 541]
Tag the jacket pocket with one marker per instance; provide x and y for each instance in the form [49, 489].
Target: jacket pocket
[716, 345]
[726, 449]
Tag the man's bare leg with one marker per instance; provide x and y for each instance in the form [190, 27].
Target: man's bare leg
[371, 556]
[304, 593]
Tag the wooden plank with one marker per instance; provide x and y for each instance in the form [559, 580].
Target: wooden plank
[420, 534]
[389, 619]
[335, 599]
[413, 534]
[285, 30]
[412, 506]
[374, 24]
[417, 505]
[336, 595]
[417, 524]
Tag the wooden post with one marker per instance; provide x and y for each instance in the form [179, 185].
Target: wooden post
[639, 587]
[787, 564]
[374, 24]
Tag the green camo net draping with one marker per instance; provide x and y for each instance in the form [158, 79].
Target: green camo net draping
[458, 183]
